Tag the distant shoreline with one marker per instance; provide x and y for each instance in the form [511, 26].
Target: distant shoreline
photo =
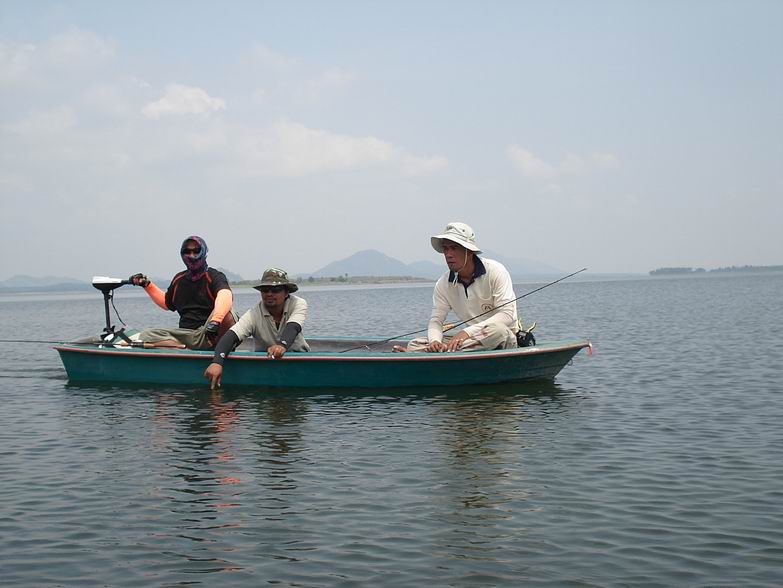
[81, 287]
[242, 284]
[692, 271]
[346, 281]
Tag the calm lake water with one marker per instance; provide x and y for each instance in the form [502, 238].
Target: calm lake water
[658, 461]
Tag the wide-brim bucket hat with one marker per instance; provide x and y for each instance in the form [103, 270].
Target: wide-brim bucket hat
[275, 277]
[459, 233]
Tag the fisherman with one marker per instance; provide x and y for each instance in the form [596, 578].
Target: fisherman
[200, 294]
[472, 286]
[275, 324]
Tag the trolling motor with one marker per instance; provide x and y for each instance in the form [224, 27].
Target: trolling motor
[107, 286]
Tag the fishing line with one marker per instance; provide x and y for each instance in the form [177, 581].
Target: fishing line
[96, 344]
[39, 341]
[468, 320]
[87, 343]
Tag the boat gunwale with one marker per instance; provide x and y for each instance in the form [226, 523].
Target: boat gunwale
[333, 355]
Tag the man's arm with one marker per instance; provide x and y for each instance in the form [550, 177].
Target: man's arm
[440, 309]
[228, 342]
[293, 326]
[214, 371]
[223, 302]
[156, 294]
[290, 332]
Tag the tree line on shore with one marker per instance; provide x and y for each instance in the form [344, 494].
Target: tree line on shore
[664, 271]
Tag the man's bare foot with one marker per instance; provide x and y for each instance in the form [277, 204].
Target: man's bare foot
[399, 349]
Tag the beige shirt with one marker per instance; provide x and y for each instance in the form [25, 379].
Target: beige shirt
[259, 324]
[490, 290]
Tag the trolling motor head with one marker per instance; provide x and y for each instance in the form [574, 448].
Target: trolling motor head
[107, 286]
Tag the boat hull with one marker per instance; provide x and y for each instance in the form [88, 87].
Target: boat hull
[317, 370]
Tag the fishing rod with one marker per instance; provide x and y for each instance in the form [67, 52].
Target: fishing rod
[94, 343]
[455, 325]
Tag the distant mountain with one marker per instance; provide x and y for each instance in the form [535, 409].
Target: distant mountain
[232, 277]
[427, 269]
[367, 263]
[21, 281]
[374, 263]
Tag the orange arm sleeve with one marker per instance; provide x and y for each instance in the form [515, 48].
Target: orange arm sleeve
[223, 302]
[157, 295]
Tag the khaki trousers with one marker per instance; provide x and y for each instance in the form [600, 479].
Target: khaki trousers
[490, 337]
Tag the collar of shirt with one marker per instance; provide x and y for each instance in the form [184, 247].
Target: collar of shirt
[478, 271]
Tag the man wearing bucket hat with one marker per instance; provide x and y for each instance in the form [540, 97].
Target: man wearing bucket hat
[275, 324]
[472, 286]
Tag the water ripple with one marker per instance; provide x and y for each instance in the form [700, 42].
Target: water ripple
[656, 462]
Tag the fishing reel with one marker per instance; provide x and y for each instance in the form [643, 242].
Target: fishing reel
[525, 336]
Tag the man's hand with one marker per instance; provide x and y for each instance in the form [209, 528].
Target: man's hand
[275, 351]
[435, 347]
[139, 280]
[211, 332]
[456, 341]
[214, 373]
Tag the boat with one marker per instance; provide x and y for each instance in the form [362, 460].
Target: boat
[332, 362]
[325, 366]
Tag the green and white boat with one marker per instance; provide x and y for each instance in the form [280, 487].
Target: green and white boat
[331, 363]
[324, 367]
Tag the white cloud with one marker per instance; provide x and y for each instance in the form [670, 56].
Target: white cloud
[293, 149]
[77, 49]
[179, 99]
[283, 79]
[531, 166]
[66, 53]
[528, 164]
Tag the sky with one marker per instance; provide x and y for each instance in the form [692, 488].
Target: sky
[619, 136]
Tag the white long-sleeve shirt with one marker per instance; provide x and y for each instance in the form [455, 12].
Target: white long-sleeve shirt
[490, 289]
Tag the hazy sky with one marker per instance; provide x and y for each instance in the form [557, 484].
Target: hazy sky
[621, 136]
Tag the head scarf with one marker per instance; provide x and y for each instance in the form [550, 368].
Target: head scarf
[197, 266]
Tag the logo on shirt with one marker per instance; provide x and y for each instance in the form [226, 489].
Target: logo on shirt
[486, 307]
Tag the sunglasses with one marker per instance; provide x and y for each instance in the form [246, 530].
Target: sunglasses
[272, 289]
[185, 251]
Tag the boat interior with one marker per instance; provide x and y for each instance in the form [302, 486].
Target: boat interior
[317, 344]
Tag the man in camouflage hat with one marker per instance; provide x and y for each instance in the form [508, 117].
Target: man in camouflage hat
[275, 324]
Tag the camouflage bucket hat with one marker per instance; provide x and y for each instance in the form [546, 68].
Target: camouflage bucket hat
[276, 277]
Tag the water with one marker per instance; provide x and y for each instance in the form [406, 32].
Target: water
[655, 462]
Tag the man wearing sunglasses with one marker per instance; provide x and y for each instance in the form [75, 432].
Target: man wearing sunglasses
[275, 324]
[200, 294]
